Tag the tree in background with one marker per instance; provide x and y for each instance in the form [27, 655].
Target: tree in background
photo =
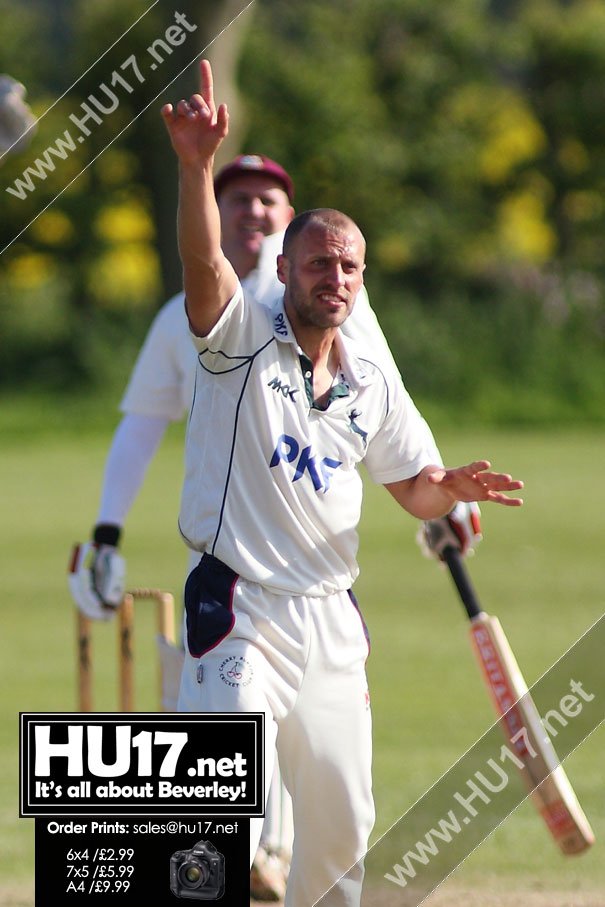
[460, 137]
[81, 283]
[466, 139]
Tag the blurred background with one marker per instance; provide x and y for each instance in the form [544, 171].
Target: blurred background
[467, 139]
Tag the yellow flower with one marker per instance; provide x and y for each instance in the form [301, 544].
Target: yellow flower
[127, 222]
[31, 270]
[523, 229]
[53, 227]
[126, 275]
[514, 137]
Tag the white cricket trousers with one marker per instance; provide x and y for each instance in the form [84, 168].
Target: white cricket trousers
[301, 661]
[277, 832]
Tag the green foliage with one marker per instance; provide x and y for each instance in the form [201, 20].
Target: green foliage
[525, 349]
[466, 139]
[88, 258]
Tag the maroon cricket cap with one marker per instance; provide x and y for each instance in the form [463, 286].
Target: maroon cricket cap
[253, 163]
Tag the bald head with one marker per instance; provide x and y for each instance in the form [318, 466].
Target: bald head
[326, 220]
[321, 268]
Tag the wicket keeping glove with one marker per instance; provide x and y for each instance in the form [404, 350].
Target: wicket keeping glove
[460, 528]
[97, 574]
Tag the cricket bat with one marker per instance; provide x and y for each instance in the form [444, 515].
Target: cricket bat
[549, 786]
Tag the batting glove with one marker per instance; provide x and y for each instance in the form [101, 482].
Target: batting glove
[97, 574]
[460, 529]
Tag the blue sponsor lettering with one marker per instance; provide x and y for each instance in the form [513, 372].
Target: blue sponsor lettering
[279, 324]
[328, 466]
[308, 463]
[320, 471]
[287, 449]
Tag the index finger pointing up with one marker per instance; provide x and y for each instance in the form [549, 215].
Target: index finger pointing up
[206, 84]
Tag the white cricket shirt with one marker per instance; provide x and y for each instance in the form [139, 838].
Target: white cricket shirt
[161, 383]
[271, 485]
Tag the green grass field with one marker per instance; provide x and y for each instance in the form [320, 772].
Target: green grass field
[540, 569]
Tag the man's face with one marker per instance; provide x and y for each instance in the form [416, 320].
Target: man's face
[323, 274]
[251, 207]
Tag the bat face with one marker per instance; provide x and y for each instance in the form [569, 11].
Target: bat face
[545, 777]
[556, 801]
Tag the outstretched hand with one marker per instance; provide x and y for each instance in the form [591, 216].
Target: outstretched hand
[196, 127]
[476, 482]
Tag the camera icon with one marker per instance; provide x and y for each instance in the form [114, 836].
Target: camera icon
[198, 873]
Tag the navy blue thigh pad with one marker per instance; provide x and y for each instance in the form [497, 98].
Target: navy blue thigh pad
[208, 604]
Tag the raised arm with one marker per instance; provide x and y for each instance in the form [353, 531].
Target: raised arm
[435, 490]
[197, 129]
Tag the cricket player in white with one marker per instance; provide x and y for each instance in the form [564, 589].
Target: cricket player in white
[272, 505]
[254, 196]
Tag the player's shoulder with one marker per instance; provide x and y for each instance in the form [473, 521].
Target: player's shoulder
[273, 244]
[243, 324]
[174, 307]
[172, 317]
[376, 377]
[366, 360]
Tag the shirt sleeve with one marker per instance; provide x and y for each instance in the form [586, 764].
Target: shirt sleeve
[242, 328]
[134, 444]
[161, 383]
[363, 327]
[404, 443]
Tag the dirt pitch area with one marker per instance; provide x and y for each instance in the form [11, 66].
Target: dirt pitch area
[447, 896]
[12, 896]
[454, 896]
[460, 897]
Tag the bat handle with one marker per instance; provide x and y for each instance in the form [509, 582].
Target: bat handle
[455, 563]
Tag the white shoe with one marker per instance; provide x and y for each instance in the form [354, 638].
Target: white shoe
[269, 875]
